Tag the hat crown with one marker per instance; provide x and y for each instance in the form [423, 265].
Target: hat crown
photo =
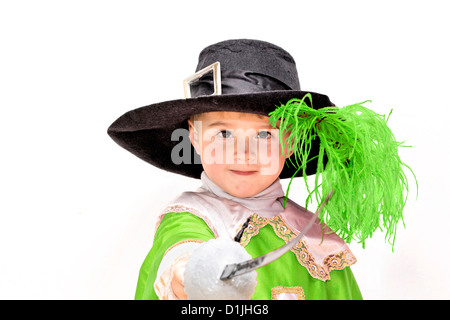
[254, 56]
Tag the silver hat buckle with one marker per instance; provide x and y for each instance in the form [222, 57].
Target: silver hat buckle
[215, 69]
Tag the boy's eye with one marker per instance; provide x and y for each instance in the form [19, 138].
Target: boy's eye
[264, 135]
[224, 134]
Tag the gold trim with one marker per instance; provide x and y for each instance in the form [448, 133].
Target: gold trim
[296, 290]
[321, 271]
[256, 222]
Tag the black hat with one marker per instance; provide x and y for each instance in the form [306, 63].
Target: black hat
[253, 77]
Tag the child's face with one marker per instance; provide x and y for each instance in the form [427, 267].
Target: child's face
[240, 152]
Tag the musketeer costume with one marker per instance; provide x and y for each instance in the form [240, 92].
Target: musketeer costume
[350, 150]
[314, 269]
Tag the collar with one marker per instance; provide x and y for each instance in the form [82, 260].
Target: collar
[266, 203]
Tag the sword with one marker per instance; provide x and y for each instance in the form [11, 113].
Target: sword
[236, 269]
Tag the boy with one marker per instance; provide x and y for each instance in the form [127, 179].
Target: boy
[241, 164]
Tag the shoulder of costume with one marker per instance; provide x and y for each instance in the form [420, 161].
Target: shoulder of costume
[320, 251]
[320, 234]
[321, 239]
[224, 217]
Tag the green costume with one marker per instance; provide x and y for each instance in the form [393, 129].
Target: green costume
[317, 268]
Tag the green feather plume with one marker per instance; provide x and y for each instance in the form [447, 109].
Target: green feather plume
[362, 166]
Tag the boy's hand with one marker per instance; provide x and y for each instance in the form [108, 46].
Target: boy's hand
[178, 278]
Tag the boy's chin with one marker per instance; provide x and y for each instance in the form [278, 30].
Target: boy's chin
[243, 191]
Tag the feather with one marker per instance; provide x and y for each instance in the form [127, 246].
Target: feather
[358, 159]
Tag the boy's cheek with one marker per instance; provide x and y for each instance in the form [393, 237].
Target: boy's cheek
[217, 173]
[216, 154]
[273, 165]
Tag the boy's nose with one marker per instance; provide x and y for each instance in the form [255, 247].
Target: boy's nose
[245, 151]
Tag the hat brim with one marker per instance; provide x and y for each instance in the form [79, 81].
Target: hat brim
[147, 131]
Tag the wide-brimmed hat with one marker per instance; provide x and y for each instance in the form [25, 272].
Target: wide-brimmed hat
[242, 75]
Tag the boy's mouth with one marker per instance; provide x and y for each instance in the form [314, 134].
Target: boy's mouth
[243, 173]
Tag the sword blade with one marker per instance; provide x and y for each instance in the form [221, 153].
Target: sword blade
[236, 269]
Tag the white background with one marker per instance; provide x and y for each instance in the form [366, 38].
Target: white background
[77, 212]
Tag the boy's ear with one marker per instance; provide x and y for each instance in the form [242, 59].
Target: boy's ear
[193, 136]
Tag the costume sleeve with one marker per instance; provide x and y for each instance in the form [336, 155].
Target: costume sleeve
[343, 286]
[175, 228]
